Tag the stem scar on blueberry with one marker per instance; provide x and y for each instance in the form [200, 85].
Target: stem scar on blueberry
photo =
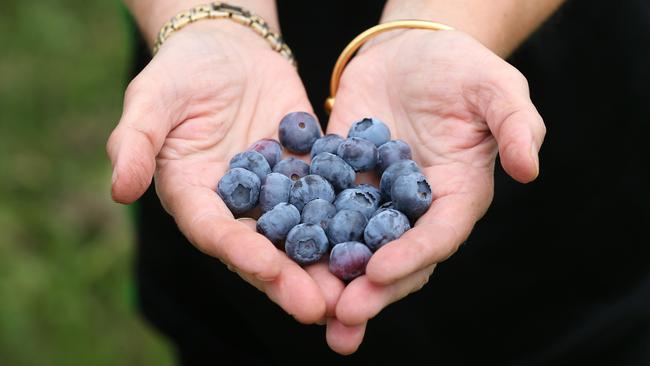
[301, 124]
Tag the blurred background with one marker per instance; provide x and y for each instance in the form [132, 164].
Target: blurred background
[66, 289]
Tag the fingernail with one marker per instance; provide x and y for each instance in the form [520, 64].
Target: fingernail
[114, 177]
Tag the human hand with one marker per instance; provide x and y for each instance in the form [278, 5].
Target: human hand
[212, 90]
[457, 104]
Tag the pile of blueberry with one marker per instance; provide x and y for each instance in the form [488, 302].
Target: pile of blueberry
[310, 209]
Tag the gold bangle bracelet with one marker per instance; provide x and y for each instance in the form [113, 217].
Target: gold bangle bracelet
[362, 38]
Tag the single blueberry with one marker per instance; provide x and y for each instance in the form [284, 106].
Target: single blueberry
[393, 172]
[392, 152]
[348, 260]
[239, 189]
[360, 153]
[253, 161]
[328, 143]
[334, 169]
[309, 188]
[318, 212]
[412, 195]
[306, 243]
[292, 168]
[385, 227]
[275, 190]
[276, 223]
[373, 191]
[270, 149]
[371, 129]
[385, 206]
[357, 200]
[346, 225]
[298, 131]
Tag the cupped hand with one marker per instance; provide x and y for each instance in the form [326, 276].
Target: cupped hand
[212, 90]
[457, 105]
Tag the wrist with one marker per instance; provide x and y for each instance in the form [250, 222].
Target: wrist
[151, 15]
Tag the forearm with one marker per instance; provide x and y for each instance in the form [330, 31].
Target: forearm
[152, 14]
[501, 25]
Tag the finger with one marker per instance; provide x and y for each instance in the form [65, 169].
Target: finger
[208, 224]
[362, 299]
[434, 238]
[137, 139]
[514, 121]
[331, 287]
[342, 339]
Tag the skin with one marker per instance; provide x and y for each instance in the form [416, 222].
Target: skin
[204, 98]
[457, 112]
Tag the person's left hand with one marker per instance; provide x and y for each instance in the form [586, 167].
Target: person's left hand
[457, 104]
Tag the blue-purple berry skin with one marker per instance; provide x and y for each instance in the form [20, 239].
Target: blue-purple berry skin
[371, 129]
[349, 260]
[357, 200]
[270, 149]
[392, 152]
[275, 190]
[318, 212]
[306, 243]
[373, 191]
[360, 153]
[239, 189]
[385, 206]
[385, 227]
[276, 223]
[328, 143]
[346, 225]
[298, 131]
[412, 195]
[309, 188]
[292, 167]
[331, 167]
[393, 172]
[253, 161]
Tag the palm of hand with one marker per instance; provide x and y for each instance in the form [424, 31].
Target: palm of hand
[451, 100]
[203, 99]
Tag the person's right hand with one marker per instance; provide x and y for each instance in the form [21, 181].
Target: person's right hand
[212, 90]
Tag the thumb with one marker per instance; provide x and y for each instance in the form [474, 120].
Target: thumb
[515, 123]
[137, 139]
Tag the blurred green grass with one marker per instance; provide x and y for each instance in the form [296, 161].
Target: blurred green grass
[66, 287]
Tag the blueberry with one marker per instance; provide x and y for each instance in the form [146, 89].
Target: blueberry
[357, 200]
[385, 227]
[309, 188]
[370, 129]
[239, 189]
[360, 153]
[392, 152]
[334, 169]
[385, 206]
[412, 195]
[318, 212]
[306, 243]
[328, 143]
[292, 168]
[276, 223]
[253, 161]
[393, 172]
[346, 225]
[348, 260]
[373, 191]
[298, 131]
[275, 190]
[270, 149]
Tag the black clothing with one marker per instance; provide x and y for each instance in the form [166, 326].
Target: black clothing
[556, 273]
